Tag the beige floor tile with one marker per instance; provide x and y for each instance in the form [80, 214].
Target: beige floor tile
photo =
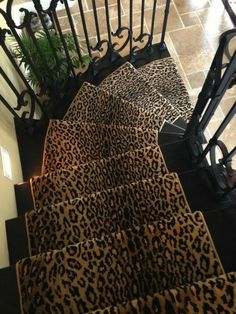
[190, 19]
[126, 21]
[195, 63]
[185, 6]
[226, 104]
[190, 41]
[174, 21]
[228, 135]
[137, 5]
[215, 20]
[99, 3]
[182, 74]
[197, 79]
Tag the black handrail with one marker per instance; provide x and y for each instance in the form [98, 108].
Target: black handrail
[230, 11]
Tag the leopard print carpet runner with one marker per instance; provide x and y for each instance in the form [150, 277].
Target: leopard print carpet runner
[118, 268]
[165, 77]
[127, 83]
[64, 185]
[69, 144]
[214, 295]
[95, 105]
[111, 228]
[105, 212]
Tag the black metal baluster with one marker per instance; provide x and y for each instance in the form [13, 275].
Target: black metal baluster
[142, 17]
[14, 64]
[59, 30]
[35, 41]
[108, 21]
[39, 10]
[24, 50]
[119, 13]
[230, 11]
[96, 23]
[163, 33]
[6, 104]
[218, 132]
[131, 29]
[13, 88]
[85, 27]
[20, 99]
[73, 31]
[153, 21]
[223, 86]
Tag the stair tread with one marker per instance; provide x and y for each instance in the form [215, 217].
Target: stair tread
[98, 141]
[162, 277]
[127, 83]
[116, 209]
[175, 299]
[165, 77]
[95, 105]
[102, 174]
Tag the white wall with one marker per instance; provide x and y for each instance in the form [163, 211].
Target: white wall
[8, 141]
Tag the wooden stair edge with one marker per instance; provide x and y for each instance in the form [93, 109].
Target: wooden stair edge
[31, 145]
[24, 198]
[10, 299]
[17, 239]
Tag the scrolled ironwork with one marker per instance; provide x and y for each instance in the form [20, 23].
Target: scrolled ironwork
[224, 174]
[112, 48]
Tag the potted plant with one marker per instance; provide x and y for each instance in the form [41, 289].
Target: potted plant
[50, 73]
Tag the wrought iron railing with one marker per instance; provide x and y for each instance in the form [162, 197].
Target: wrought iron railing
[220, 78]
[104, 52]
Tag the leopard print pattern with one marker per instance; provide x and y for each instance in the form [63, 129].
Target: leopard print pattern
[214, 295]
[94, 105]
[119, 267]
[64, 185]
[165, 77]
[127, 83]
[105, 212]
[69, 144]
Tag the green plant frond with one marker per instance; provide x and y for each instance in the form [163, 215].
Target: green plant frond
[43, 64]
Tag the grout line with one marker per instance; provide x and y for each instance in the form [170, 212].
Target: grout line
[86, 4]
[180, 64]
[174, 5]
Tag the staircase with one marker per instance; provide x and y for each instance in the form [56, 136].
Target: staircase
[120, 220]
[120, 210]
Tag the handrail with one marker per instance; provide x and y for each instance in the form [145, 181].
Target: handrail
[230, 11]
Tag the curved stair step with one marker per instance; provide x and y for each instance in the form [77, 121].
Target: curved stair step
[163, 74]
[185, 299]
[98, 214]
[127, 83]
[95, 105]
[69, 144]
[130, 269]
[95, 176]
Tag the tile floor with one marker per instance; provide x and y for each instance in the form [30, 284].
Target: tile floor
[192, 37]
